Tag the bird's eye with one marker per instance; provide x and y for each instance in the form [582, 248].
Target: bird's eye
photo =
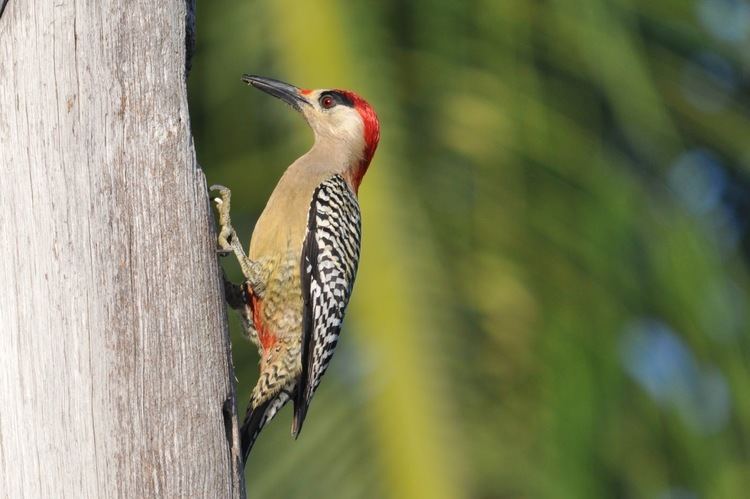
[327, 102]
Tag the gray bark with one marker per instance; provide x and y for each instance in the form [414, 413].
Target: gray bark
[115, 362]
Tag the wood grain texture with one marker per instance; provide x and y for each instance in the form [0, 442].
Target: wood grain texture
[115, 361]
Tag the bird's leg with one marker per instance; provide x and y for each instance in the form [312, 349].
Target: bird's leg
[227, 234]
[237, 297]
[229, 242]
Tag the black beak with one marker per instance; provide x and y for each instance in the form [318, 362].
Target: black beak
[284, 91]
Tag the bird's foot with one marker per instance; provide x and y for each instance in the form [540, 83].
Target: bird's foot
[227, 235]
[227, 239]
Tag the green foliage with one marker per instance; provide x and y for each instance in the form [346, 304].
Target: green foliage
[552, 298]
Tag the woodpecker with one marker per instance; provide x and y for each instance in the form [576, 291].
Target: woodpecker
[303, 253]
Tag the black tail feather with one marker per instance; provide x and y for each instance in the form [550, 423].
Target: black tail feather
[254, 420]
[300, 412]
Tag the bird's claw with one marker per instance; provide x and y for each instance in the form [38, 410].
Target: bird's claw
[226, 231]
[227, 238]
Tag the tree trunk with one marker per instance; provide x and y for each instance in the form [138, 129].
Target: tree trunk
[115, 362]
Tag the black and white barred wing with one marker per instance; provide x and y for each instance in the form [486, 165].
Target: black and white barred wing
[329, 264]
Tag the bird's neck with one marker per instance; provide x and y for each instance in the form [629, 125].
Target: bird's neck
[339, 156]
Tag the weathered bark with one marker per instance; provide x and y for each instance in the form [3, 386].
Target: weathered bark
[115, 365]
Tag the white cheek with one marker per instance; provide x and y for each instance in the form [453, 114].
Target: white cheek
[342, 123]
[342, 129]
[348, 124]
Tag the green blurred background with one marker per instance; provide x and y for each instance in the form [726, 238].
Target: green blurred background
[552, 297]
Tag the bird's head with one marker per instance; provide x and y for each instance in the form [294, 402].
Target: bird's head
[340, 119]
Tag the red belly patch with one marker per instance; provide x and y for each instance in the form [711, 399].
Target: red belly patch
[266, 338]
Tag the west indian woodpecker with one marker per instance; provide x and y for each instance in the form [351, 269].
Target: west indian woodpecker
[303, 253]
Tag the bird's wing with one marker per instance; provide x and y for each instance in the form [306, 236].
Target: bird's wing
[330, 255]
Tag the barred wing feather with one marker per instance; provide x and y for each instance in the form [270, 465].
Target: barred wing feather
[330, 256]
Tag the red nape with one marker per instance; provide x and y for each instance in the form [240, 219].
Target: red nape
[266, 338]
[371, 133]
